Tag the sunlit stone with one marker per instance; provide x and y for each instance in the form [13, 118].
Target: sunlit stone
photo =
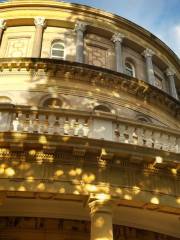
[127, 197]
[9, 172]
[59, 173]
[41, 186]
[154, 200]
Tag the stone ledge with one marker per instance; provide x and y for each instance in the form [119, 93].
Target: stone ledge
[93, 75]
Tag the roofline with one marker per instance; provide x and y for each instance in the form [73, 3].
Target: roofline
[97, 11]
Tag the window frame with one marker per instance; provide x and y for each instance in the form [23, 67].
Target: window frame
[133, 69]
[57, 57]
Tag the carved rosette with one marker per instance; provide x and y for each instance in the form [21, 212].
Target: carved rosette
[148, 52]
[2, 23]
[80, 26]
[39, 21]
[117, 37]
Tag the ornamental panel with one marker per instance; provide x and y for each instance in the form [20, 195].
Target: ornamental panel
[17, 47]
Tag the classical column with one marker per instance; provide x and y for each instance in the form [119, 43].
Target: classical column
[117, 38]
[148, 53]
[80, 28]
[39, 23]
[2, 27]
[101, 220]
[170, 75]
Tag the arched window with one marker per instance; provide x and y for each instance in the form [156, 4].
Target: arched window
[143, 119]
[4, 99]
[130, 69]
[58, 50]
[102, 108]
[52, 103]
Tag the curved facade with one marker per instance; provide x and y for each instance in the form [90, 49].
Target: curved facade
[90, 117]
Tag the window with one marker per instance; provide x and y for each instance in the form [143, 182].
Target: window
[4, 99]
[102, 108]
[130, 69]
[52, 103]
[143, 119]
[58, 50]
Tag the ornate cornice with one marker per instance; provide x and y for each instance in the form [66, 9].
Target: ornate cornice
[97, 76]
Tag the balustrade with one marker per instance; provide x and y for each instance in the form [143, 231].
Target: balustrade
[95, 126]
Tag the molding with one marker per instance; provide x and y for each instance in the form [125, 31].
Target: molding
[97, 76]
[101, 15]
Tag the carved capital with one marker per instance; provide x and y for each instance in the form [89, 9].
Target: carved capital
[148, 52]
[117, 37]
[2, 23]
[100, 205]
[170, 72]
[39, 21]
[80, 26]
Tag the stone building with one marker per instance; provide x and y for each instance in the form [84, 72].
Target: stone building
[89, 126]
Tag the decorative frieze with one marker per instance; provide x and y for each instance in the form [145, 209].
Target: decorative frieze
[102, 78]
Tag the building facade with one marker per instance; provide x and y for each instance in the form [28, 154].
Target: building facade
[89, 126]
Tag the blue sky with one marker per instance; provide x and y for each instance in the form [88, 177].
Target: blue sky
[161, 17]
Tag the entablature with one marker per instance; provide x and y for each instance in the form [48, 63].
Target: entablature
[96, 76]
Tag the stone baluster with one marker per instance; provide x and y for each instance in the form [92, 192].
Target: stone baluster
[117, 38]
[170, 74]
[40, 24]
[2, 27]
[80, 29]
[148, 53]
[101, 220]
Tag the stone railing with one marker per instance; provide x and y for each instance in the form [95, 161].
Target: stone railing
[94, 125]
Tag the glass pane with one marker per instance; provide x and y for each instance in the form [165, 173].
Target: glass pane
[129, 72]
[58, 46]
[57, 53]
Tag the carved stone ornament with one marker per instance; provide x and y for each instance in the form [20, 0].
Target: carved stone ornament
[117, 37]
[2, 23]
[39, 21]
[80, 26]
[148, 52]
[170, 72]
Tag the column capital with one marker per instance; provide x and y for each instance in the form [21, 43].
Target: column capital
[148, 52]
[80, 26]
[39, 21]
[2, 23]
[98, 205]
[117, 37]
[170, 72]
